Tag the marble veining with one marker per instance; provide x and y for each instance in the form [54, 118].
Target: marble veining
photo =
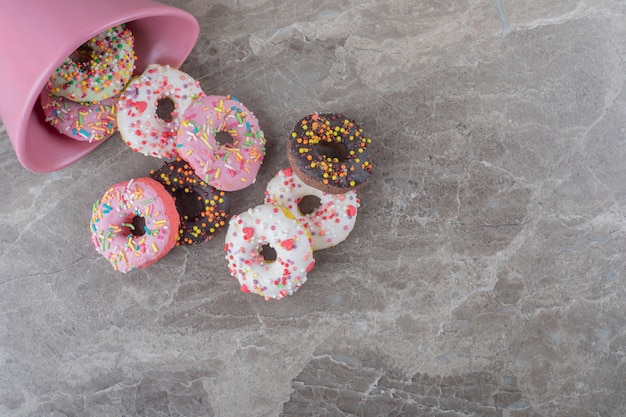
[484, 276]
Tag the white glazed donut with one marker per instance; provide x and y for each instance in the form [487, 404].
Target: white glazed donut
[137, 120]
[330, 223]
[248, 236]
[99, 69]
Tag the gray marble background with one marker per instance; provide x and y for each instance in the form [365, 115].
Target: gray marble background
[485, 274]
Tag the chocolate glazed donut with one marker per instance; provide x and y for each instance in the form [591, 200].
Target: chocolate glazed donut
[328, 151]
[203, 209]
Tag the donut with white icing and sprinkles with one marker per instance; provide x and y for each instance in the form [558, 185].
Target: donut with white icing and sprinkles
[84, 122]
[329, 151]
[203, 210]
[134, 224]
[268, 251]
[329, 218]
[151, 108]
[98, 69]
[222, 141]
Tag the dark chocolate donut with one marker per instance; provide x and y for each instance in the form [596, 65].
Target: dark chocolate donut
[328, 151]
[203, 210]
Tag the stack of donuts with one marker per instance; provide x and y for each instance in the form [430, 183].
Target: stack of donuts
[213, 146]
[80, 98]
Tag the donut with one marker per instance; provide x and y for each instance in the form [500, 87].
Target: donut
[203, 209]
[268, 251]
[222, 141]
[142, 112]
[328, 218]
[98, 69]
[134, 224]
[85, 122]
[330, 152]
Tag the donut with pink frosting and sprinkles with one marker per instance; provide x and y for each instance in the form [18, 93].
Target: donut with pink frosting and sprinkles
[268, 251]
[222, 141]
[134, 224]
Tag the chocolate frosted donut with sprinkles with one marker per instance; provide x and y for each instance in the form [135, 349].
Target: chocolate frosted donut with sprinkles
[203, 210]
[329, 152]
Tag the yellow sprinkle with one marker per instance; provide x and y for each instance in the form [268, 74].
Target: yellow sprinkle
[154, 247]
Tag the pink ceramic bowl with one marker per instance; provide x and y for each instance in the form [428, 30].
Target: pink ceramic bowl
[37, 35]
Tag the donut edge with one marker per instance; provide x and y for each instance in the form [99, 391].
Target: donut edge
[170, 212]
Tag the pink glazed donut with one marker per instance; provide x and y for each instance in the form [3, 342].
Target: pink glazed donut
[221, 140]
[134, 224]
[85, 122]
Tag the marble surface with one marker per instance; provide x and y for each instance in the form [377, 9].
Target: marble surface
[484, 276]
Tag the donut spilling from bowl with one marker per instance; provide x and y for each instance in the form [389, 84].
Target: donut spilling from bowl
[80, 98]
[214, 147]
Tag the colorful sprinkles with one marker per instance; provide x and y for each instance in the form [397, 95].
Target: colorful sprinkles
[222, 141]
[219, 147]
[99, 69]
[328, 224]
[203, 210]
[116, 226]
[139, 124]
[85, 122]
[330, 152]
[270, 225]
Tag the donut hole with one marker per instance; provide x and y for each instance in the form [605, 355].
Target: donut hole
[82, 56]
[331, 151]
[268, 253]
[224, 138]
[309, 204]
[189, 205]
[139, 226]
[165, 109]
